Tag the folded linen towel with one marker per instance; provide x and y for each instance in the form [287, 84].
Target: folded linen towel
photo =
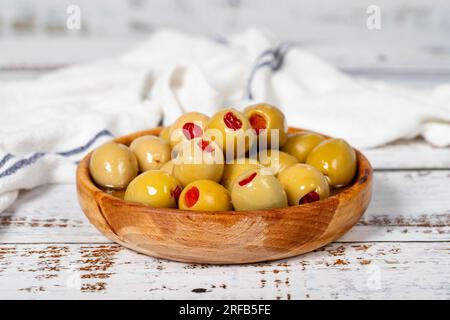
[48, 124]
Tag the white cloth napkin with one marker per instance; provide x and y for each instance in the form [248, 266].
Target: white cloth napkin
[48, 124]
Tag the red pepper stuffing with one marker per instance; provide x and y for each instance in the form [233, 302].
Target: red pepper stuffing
[175, 193]
[248, 179]
[191, 196]
[231, 121]
[191, 130]
[205, 145]
[310, 197]
[258, 122]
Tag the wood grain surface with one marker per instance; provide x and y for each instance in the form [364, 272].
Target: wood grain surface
[338, 271]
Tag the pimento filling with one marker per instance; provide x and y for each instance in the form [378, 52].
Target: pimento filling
[175, 193]
[258, 122]
[247, 180]
[309, 197]
[191, 197]
[191, 130]
[205, 145]
[231, 121]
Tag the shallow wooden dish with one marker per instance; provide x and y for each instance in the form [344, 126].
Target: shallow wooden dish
[224, 237]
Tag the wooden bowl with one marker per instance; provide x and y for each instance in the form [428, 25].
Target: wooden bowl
[228, 237]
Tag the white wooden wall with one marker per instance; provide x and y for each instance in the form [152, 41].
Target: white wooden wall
[414, 35]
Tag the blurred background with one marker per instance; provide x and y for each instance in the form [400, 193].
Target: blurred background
[413, 42]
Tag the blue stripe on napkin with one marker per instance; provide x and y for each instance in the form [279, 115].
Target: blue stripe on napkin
[272, 58]
[87, 145]
[5, 159]
[24, 162]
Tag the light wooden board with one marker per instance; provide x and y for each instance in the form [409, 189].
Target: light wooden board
[414, 154]
[338, 271]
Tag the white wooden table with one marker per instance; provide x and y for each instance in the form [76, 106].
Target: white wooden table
[400, 249]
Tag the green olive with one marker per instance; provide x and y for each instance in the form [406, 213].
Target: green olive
[303, 184]
[235, 168]
[205, 195]
[165, 134]
[155, 188]
[187, 127]
[253, 190]
[113, 165]
[168, 167]
[265, 118]
[151, 152]
[231, 130]
[276, 161]
[198, 159]
[176, 149]
[300, 144]
[336, 159]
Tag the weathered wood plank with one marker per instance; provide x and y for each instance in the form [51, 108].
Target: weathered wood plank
[338, 271]
[376, 233]
[52, 53]
[410, 198]
[407, 205]
[63, 230]
[415, 154]
[413, 35]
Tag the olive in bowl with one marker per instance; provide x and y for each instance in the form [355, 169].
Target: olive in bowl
[235, 167]
[300, 144]
[276, 161]
[168, 167]
[205, 195]
[151, 152]
[264, 118]
[303, 184]
[154, 188]
[253, 190]
[336, 159]
[113, 165]
[197, 160]
[189, 126]
[231, 130]
[165, 134]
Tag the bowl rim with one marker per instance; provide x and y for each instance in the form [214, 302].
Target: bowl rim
[364, 173]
